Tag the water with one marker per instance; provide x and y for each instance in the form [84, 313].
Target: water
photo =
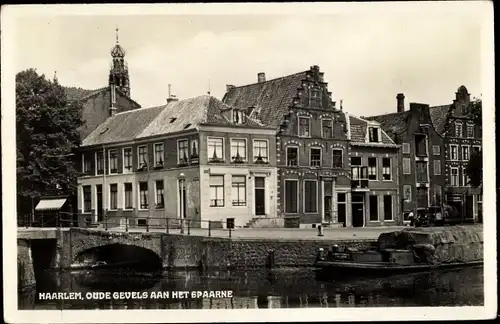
[283, 288]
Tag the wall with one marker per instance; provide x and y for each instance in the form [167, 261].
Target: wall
[25, 271]
[96, 110]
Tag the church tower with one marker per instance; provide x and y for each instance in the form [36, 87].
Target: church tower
[118, 73]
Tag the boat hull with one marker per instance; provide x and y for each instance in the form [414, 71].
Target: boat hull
[343, 267]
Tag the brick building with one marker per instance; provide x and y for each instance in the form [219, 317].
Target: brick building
[373, 199]
[196, 159]
[311, 142]
[436, 143]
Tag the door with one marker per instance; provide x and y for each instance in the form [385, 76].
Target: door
[99, 203]
[469, 211]
[260, 196]
[328, 208]
[358, 210]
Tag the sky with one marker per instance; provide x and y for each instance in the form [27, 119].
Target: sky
[367, 57]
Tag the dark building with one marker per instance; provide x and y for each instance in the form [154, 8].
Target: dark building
[436, 143]
[311, 143]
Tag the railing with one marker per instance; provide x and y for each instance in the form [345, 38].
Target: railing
[128, 223]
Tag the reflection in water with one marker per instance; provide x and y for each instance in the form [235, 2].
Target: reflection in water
[282, 288]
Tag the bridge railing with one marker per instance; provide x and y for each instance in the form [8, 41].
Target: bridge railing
[128, 223]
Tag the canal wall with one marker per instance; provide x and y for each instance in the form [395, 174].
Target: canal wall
[25, 269]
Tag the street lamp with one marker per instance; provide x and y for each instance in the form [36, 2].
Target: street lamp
[182, 178]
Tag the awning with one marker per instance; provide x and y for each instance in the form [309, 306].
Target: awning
[50, 204]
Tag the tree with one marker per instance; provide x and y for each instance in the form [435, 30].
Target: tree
[47, 134]
[475, 110]
[474, 169]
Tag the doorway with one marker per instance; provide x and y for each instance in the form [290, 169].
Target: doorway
[469, 209]
[99, 203]
[327, 204]
[260, 196]
[358, 206]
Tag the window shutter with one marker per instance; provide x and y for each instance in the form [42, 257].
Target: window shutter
[406, 148]
[406, 166]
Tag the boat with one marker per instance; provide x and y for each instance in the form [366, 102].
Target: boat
[381, 259]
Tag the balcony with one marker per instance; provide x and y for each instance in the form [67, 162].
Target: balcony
[359, 179]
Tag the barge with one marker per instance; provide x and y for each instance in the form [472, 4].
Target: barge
[405, 251]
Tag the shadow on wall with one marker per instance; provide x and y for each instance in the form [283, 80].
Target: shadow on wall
[119, 255]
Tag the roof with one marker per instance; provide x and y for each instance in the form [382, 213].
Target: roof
[394, 123]
[50, 203]
[74, 94]
[358, 128]
[439, 115]
[271, 99]
[173, 117]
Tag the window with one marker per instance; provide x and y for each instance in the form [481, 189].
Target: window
[99, 161]
[388, 207]
[182, 151]
[315, 157]
[237, 117]
[304, 126]
[128, 195]
[113, 161]
[127, 159]
[291, 196]
[216, 190]
[422, 197]
[372, 168]
[260, 151]
[454, 177]
[386, 169]
[337, 158]
[436, 149]
[373, 208]
[465, 153]
[113, 196]
[215, 149]
[373, 134]
[87, 199]
[238, 150]
[421, 169]
[437, 167]
[159, 154]
[327, 128]
[470, 131]
[355, 160]
[406, 166]
[420, 145]
[87, 164]
[436, 195]
[310, 196]
[194, 148]
[292, 156]
[458, 129]
[160, 194]
[142, 156]
[239, 190]
[454, 152]
[407, 193]
[406, 148]
[476, 149]
[143, 195]
[356, 171]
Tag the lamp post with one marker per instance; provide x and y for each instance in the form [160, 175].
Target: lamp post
[182, 178]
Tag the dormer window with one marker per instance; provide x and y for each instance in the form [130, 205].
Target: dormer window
[458, 129]
[373, 134]
[237, 117]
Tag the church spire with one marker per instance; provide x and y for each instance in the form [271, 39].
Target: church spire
[118, 74]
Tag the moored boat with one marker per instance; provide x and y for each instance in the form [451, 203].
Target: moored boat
[406, 251]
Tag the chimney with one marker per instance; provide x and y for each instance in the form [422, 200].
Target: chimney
[261, 77]
[401, 102]
[229, 87]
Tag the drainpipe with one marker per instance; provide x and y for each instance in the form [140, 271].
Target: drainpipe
[104, 201]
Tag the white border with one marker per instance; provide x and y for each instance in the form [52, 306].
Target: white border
[9, 13]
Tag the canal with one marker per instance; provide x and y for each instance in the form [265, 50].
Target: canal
[281, 288]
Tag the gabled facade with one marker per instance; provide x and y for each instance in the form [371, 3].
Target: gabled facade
[311, 142]
[374, 158]
[436, 143]
[186, 159]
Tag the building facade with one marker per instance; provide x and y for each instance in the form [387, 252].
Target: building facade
[189, 159]
[436, 143]
[373, 199]
[311, 142]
